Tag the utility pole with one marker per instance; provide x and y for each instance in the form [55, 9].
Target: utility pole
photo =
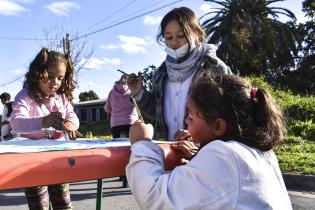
[66, 45]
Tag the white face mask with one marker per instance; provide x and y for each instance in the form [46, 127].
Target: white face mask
[178, 53]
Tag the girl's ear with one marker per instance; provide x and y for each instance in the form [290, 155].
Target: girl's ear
[220, 127]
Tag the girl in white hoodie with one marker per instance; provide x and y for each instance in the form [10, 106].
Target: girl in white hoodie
[235, 167]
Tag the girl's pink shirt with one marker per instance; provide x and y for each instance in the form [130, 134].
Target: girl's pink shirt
[27, 115]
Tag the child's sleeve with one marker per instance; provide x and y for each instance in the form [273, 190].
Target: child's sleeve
[20, 119]
[71, 115]
[209, 181]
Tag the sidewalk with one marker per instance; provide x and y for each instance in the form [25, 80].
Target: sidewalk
[299, 182]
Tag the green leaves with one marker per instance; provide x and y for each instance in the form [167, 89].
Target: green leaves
[297, 154]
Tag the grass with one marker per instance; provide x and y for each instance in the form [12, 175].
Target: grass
[295, 155]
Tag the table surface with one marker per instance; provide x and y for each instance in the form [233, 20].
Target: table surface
[52, 167]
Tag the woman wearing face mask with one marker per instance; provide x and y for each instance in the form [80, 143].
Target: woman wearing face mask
[122, 111]
[187, 57]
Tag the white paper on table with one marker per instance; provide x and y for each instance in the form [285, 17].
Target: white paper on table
[24, 145]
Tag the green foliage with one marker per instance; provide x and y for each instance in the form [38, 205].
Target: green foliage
[88, 96]
[298, 110]
[296, 156]
[99, 128]
[306, 130]
[295, 107]
[250, 37]
[146, 75]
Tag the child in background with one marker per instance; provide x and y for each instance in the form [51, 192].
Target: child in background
[121, 110]
[5, 120]
[235, 167]
[42, 109]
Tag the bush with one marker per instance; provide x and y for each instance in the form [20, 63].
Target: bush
[306, 130]
[99, 128]
[299, 110]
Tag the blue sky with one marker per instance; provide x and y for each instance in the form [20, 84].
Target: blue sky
[130, 46]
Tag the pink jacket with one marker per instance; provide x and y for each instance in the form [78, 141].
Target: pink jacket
[118, 105]
[27, 115]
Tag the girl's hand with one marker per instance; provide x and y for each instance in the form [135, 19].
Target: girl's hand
[182, 134]
[54, 120]
[134, 84]
[140, 131]
[187, 149]
[70, 129]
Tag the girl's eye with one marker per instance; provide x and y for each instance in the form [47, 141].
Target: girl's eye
[181, 37]
[189, 117]
[60, 78]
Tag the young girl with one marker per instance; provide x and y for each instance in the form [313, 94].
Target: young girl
[235, 167]
[187, 57]
[5, 120]
[42, 109]
[121, 110]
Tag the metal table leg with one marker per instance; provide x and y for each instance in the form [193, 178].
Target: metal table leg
[99, 194]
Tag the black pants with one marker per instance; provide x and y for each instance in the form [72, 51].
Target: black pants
[120, 131]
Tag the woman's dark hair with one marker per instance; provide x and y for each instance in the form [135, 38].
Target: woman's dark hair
[252, 116]
[188, 21]
[38, 72]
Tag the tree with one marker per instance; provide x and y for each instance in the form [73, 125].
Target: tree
[250, 38]
[88, 96]
[147, 74]
[79, 51]
[302, 80]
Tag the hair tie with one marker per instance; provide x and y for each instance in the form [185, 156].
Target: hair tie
[254, 92]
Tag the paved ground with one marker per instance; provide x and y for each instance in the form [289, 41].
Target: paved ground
[115, 197]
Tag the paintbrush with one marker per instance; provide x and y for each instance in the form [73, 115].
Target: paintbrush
[133, 99]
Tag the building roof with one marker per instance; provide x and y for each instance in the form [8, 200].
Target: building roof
[90, 103]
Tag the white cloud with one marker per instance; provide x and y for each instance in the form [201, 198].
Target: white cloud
[131, 48]
[8, 8]
[110, 46]
[150, 20]
[62, 8]
[205, 8]
[132, 40]
[132, 44]
[99, 63]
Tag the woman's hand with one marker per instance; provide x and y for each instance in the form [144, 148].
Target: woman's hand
[134, 83]
[140, 131]
[182, 134]
[70, 129]
[187, 149]
[54, 120]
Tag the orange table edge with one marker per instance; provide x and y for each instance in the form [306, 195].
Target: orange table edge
[53, 167]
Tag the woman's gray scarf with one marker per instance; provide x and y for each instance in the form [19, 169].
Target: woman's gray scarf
[181, 71]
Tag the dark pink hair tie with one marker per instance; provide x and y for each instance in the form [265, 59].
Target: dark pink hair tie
[254, 91]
